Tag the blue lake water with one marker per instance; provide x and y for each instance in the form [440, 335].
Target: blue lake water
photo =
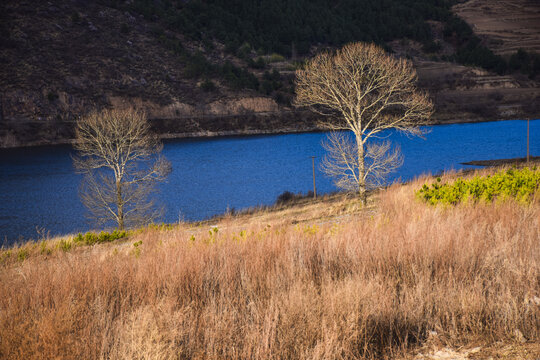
[39, 189]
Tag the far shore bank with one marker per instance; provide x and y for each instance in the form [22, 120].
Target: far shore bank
[238, 133]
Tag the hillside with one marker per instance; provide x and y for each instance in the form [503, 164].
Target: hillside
[319, 279]
[508, 25]
[216, 67]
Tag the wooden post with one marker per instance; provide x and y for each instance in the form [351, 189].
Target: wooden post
[313, 167]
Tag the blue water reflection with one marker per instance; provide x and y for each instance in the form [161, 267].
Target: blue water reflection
[38, 187]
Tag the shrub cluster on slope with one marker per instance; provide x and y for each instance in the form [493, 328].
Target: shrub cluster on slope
[521, 185]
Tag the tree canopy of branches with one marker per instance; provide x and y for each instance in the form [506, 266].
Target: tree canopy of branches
[120, 159]
[365, 91]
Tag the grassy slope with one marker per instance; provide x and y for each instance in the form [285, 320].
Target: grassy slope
[322, 280]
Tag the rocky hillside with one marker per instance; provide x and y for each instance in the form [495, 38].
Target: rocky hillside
[63, 58]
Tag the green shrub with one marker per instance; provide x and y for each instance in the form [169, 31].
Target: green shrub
[44, 250]
[208, 85]
[431, 46]
[276, 58]
[65, 245]
[137, 249]
[259, 63]
[266, 87]
[22, 254]
[91, 238]
[197, 65]
[4, 255]
[517, 184]
[162, 227]
[526, 62]
[244, 51]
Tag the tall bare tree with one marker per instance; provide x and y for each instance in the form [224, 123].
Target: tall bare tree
[364, 90]
[120, 159]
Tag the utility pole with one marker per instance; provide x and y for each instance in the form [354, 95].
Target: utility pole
[313, 167]
[528, 121]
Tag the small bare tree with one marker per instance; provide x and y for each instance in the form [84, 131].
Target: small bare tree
[120, 159]
[341, 162]
[366, 91]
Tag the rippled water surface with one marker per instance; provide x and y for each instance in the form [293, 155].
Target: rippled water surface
[39, 189]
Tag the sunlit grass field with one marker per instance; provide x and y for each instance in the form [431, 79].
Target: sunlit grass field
[324, 279]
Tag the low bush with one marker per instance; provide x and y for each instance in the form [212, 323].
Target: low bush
[276, 58]
[22, 254]
[91, 238]
[288, 197]
[65, 245]
[520, 184]
[259, 63]
[208, 85]
[526, 62]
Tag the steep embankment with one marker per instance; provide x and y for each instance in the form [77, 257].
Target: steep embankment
[61, 59]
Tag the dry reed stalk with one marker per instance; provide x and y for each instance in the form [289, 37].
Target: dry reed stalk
[366, 287]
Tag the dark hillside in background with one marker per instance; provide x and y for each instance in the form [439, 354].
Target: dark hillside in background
[292, 28]
[279, 26]
[215, 67]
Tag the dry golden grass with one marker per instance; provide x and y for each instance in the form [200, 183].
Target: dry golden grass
[361, 286]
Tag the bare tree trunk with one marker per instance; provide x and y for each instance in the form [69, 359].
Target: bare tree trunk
[120, 206]
[372, 91]
[361, 172]
[120, 157]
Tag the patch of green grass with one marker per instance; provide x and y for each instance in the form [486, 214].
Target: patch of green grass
[4, 255]
[22, 254]
[137, 250]
[519, 184]
[65, 245]
[44, 249]
[91, 238]
[162, 227]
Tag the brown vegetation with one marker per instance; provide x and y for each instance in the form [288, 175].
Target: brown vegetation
[366, 285]
[506, 24]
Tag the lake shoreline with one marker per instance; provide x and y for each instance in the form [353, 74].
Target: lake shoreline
[237, 133]
[211, 175]
[501, 162]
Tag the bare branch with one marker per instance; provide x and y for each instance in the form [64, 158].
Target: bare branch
[381, 161]
[341, 162]
[372, 91]
[119, 157]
